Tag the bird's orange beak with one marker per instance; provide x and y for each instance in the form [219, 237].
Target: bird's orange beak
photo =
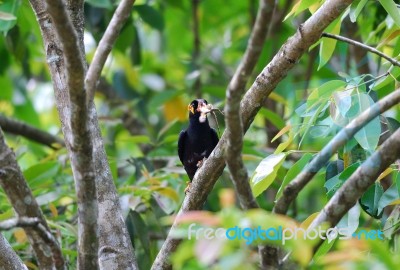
[190, 108]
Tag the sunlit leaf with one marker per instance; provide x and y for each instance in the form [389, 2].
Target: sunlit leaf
[7, 16]
[327, 46]
[356, 8]
[391, 8]
[265, 173]
[282, 146]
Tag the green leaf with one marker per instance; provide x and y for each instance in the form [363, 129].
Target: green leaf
[273, 117]
[300, 6]
[151, 16]
[136, 49]
[6, 87]
[370, 200]
[334, 183]
[293, 172]
[368, 136]
[5, 16]
[355, 9]
[324, 92]
[393, 124]
[9, 10]
[40, 172]
[327, 46]
[381, 83]
[324, 249]
[391, 8]
[350, 220]
[390, 195]
[265, 173]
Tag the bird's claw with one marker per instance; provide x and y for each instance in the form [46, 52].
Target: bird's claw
[187, 188]
[200, 163]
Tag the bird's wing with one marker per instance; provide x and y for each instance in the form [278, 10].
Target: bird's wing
[181, 144]
[214, 138]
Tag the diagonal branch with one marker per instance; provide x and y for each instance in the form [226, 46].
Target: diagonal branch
[8, 258]
[234, 126]
[204, 180]
[24, 204]
[362, 45]
[293, 188]
[359, 182]
[106, 43]
[81, 151]
[30, 132]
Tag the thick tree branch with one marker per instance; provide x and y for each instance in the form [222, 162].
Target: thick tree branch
[294, 187]
[359, 182]
[8, 258]
[82, 148]
[30, 132]
[363, 46]
[234, 126]
[273, 73]
[24, 204]
[115, 249]
[106, 43]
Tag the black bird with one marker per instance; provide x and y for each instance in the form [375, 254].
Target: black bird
[198, 141]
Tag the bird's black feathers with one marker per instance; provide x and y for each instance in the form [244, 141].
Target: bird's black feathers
[197, 141]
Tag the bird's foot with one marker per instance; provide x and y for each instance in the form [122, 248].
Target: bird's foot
[200, 163]
[187, 187]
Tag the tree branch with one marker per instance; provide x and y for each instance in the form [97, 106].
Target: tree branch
[82, 149]
[24, 204]
[8, 258]
[234, 126]
[196, 47]
[106, 43]
[293, 188]
[362, 45]
[115, 249]
[30, 132]
[34, 223]
[18, 222]
[359, 182]
[273, 73]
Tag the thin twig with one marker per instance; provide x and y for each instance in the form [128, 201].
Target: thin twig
[362, 45]
[106, 43]
[293, 188]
